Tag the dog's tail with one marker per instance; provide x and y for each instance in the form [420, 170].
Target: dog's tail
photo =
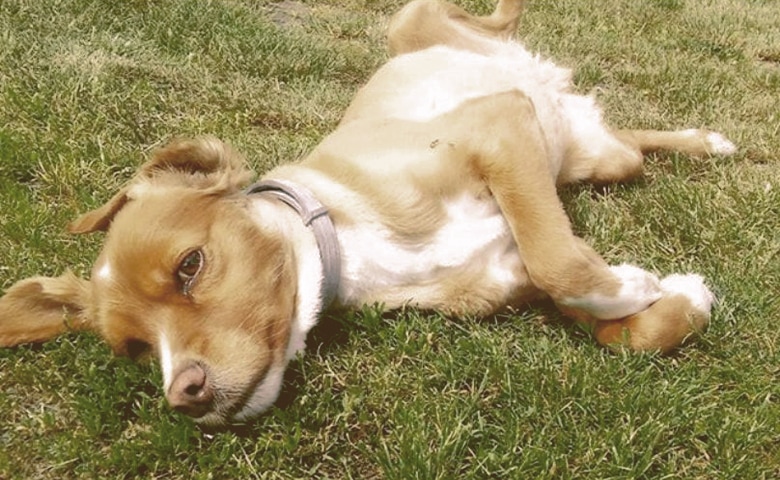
[425, 23]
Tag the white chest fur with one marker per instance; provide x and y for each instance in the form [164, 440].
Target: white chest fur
[473, 243]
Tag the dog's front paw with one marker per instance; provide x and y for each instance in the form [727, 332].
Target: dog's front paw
[682, 311]
[638, 290]
[692, 287]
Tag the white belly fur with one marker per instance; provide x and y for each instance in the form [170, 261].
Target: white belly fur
[439, 79]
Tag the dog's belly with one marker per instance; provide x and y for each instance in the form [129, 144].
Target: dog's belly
[470, 265]
[422, 85]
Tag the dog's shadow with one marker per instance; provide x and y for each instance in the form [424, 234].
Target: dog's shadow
[329, 335]
[333, 331]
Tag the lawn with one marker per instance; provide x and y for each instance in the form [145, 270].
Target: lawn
[89, 87]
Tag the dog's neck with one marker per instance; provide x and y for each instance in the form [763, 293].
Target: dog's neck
[316, 249]
[315, 216]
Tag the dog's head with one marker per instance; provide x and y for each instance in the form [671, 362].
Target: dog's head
[184, 275]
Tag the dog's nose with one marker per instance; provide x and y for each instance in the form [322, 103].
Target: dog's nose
[190, 391]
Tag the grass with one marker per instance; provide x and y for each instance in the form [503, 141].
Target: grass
[88, 88]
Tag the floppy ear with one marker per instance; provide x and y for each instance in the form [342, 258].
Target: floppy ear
[40, 308]
[100, 218]
[203, 163]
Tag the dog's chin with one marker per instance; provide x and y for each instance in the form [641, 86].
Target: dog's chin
[252, 404]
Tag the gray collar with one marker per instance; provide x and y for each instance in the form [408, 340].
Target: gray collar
[315, 216]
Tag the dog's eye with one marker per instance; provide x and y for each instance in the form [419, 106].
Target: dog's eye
[189, 268]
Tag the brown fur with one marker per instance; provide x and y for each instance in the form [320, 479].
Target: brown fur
[40, 308]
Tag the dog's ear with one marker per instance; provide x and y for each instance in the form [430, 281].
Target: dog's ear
[40, 308]
[100, 218]
[203, 163]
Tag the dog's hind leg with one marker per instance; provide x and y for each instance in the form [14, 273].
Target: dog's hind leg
[514, 162]
[695, 142]
[604, 156]
[425, 23]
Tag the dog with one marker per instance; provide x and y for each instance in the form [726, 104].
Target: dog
[437, 190]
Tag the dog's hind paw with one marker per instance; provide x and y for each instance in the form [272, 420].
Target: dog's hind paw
[705, 142]
[717, 144]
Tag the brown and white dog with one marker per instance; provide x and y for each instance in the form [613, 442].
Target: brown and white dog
[437, 190]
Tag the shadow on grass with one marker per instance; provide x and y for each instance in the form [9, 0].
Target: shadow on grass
[539, 318]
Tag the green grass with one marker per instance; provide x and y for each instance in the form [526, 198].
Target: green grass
[88, 88]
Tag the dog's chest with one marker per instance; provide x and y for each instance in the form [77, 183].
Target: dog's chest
[471, 259]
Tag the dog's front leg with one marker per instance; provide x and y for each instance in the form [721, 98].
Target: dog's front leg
[623, 304]
[512, 159]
